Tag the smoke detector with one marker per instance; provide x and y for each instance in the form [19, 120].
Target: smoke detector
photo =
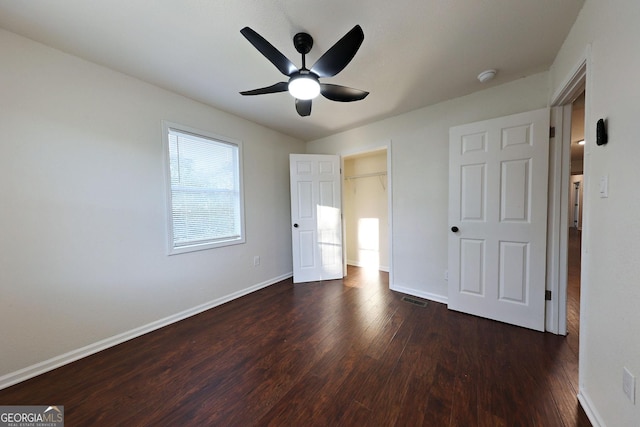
[486, 75]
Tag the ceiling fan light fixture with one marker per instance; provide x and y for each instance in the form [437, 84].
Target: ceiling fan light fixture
[304, 86]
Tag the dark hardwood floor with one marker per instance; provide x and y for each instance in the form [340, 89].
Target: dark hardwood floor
[339, 353]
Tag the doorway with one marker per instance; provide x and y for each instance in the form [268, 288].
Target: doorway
[576, 208]
[366, 210]
[560, 219]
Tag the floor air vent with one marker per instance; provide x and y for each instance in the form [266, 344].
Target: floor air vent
[414, 301]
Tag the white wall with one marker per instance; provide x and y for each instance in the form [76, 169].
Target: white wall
[420, 168]
[610, 319]
[365, 203]
[577, 167]
[83, 214]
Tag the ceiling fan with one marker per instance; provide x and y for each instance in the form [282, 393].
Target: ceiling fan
[304, 84]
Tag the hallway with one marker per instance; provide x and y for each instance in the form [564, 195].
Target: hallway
[573, 289]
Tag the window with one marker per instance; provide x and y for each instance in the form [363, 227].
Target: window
[204, 183]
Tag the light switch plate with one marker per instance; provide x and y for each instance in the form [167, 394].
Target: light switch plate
[629, 385]
[604, 186]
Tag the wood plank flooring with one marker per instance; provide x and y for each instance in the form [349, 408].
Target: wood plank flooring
[339, 353]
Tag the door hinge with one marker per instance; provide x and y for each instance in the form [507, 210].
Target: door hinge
[547, 295]
[552, 132]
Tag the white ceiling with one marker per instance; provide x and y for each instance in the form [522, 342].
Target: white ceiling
[415, 52]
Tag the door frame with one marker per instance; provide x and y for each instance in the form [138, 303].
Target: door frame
[385, 145]
[559, 172]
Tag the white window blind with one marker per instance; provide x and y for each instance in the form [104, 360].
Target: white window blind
[206, 199]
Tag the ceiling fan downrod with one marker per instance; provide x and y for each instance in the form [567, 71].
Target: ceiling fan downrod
[303, 43]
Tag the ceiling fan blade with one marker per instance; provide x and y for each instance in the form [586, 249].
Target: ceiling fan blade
[278, 87]
[341, 93]
[303, 107]
[281, 62]
[335, 59]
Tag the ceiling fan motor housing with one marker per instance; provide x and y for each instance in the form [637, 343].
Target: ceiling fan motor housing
[303, 43]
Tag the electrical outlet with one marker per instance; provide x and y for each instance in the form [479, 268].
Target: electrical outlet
[446, 275]
[629, 385]
[256, 261]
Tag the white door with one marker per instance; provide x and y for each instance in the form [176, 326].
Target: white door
[316, 217]
[498, 217]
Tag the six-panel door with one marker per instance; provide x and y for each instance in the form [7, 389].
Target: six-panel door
[316, 217]
[498, 201]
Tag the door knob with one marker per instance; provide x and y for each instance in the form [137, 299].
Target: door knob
[455, 229]
[295, 225]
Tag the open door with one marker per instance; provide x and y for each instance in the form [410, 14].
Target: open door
[498, 173]
[316, 217]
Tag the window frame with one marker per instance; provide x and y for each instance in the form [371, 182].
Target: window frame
[172, 249]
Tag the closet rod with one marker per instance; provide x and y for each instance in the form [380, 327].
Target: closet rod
[365, 175]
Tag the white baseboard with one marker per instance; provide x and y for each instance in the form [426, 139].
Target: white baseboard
[416, 293]
[66, 358]
[589, 409]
